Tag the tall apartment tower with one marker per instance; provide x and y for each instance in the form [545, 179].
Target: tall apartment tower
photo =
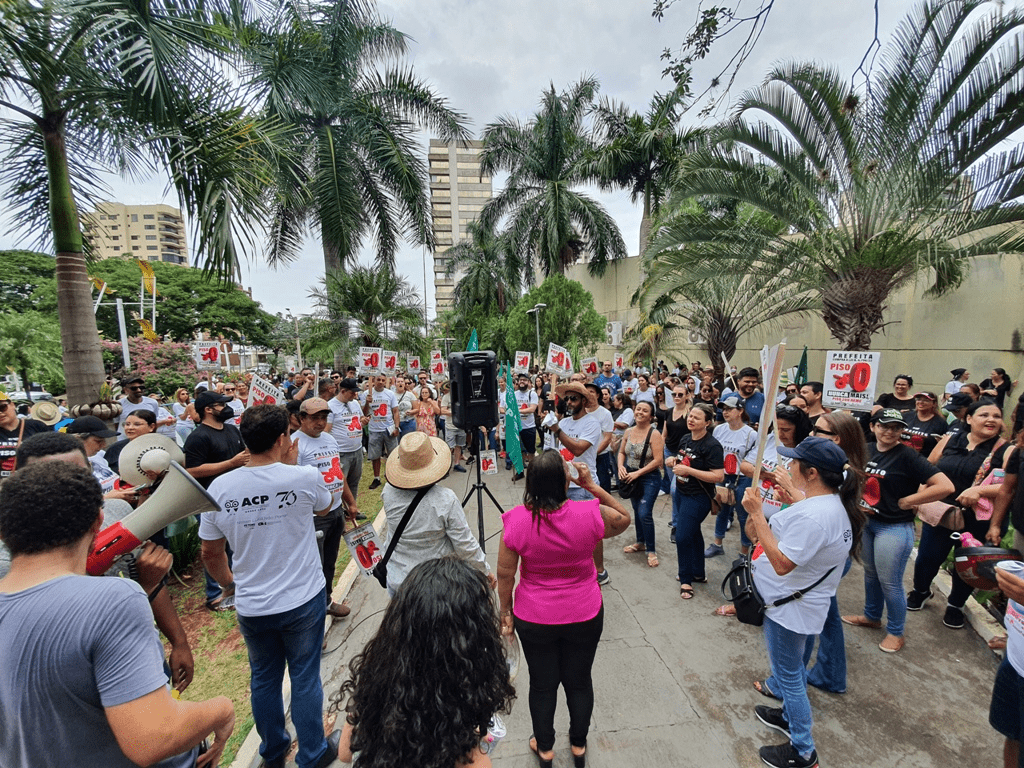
[146, 232]
[458, 192]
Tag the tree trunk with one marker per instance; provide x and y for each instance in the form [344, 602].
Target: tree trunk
[853, 306]
[27, 382]
[645, 224]
[83, 356]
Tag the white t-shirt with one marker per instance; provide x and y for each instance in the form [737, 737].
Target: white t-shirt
[588, 428]
[167, 430]
[322, 452]
[405, 401]
[953, 387]
[266, 514]
[346, 427]
[604, 418]
[381, 406]
[1014, 620]
[815, 534]
[527, 398]
[237, 406]
[644, 397]
[626, 417]
[629, 387]
[740, 443]
[127, 406]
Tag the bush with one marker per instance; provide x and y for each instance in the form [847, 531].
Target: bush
[165, 366]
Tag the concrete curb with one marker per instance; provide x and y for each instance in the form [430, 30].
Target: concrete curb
[248, 755]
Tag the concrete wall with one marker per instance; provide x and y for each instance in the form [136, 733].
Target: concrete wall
[973, 328]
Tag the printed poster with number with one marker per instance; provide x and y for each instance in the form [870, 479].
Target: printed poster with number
[559, 361]
[589, 366]
[390, 362]
[620, 361]
[413, 365]
[522, 362]
[365, 548]
[851, 379]
[370, 360]
[262, 392]
[438, 370]
[488, 462]
[207, 355]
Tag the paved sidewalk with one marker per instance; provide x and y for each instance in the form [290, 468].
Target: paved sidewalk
[673, 682]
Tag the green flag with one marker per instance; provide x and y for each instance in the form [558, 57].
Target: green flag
[801, 371]
[513, 423]
[474, 343]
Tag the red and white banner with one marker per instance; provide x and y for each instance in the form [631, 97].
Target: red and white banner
[851, 379]
[522, 362]
[412, 365]
[263, 392]
[369, 363]
[620, 361]
[364, 547]
[390, 364]
[207, 355]
[559, 360]
[589, 366]
[488, 462]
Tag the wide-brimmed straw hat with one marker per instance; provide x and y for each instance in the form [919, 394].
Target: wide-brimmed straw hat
[563, 389]
[46, 412]
[421, 461]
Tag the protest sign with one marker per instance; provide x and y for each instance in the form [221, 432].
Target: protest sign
[412, 363]
[262, 392]
[620, 361]
[522, 362]
[558, 360]
[364, 547]
[369, 361]
[390, 362]
[589, 365]
[488, 462]
[207, 355]
[438, 370]
[771, 369]
[851, 379]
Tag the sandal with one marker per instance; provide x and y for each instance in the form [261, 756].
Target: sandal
[700, 581]
[761, 686]
[725, 610]
[638, 547]
[543, 763]
[998, 643]
[686, 593]
[652, 560]
[861, 621]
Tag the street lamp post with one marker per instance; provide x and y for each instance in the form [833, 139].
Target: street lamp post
[298, 348]
[536, 316]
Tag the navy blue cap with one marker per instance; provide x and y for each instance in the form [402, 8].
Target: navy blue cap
[817, 452]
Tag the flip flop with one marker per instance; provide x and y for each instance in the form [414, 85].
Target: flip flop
[725, 610]
[652, 560]
[686, 593]
[761, 686]
[637, 547]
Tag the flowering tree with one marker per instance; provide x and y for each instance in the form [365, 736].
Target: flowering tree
[165, 367]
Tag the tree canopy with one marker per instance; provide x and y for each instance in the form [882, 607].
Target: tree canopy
[569, 318]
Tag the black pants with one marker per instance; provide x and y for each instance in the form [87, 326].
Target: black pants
[560, 654]
[333, 526]
[933, 550]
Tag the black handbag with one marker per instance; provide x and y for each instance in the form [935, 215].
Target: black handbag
[380, 570]
[631, 488]
[745, 598]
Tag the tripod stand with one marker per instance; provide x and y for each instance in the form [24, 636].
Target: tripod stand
[479, 488]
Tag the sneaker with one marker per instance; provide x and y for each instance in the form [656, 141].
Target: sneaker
[459, 468]
[784, 756]
[916, 600]
[714, 550]
[728, 525]
[954, 618]
[375, 484]
[773, 718]
[603, 578]
[518, 476]
[470, 459]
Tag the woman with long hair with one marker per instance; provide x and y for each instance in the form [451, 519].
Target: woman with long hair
[425, 410]
[644, 468]
[424, 697]
[996, 386]
[185, 415]
[558, 611]
[739, 442]
[802, 550]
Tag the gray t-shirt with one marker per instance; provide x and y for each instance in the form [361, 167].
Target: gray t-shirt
[56, 677]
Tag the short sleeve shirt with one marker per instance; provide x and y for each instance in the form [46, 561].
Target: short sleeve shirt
[346, 424]
[382, 404]
[322, 452]
[128, 407]
[892, 475]
[604, 418]
[738, 445]
[588, 428]
[704, 454]
[526, 399]
[9, 441]
[208, 445]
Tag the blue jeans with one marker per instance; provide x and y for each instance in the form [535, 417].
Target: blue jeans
[405, 427]
[786, 656]
[294, 637]
[886, 550]
[605, 466]
[643, 509]
[688, 512]
[724, 516]
[666, 482]
[578, 494]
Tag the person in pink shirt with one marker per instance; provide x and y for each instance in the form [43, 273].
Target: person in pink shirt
[558, 612]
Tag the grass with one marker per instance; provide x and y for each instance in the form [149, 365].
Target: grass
[221, 662]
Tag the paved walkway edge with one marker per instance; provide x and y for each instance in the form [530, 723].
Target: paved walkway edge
[248, 755]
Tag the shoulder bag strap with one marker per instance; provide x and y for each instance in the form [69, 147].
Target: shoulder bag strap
[802, 592]
[647, 444]
[401, 525]
[986, 465]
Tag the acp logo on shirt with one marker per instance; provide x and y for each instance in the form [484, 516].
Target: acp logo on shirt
[255, 501]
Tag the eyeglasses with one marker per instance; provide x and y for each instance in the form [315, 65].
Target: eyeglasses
[229, 389]
[573, 399]
[819, 431]
[897, 427]
[678, 394]
[786, 410]
[336, 377]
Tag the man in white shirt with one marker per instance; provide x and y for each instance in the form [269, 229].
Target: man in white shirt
[345, 424]
[135, 401]
[318, 449]
[382, 408]
[266, 514]
[526, 397]
[605, 460]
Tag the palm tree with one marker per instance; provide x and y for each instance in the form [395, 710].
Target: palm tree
[641, 152]
[492, 273]
[133, 87]
[377, 309]
[30, 347]
[906, 180]
[546, 158]
[352, 164]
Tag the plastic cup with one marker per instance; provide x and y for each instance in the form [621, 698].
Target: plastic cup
[1012, 567]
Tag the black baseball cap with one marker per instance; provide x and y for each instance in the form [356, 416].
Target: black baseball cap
[958, 400]
[348, 384]
[90, 425]
[207, 398]
[889, 416]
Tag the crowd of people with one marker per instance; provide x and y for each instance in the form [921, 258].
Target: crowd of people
[833, 487]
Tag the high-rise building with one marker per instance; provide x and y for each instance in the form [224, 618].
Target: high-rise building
[456, 199]
[146, 232]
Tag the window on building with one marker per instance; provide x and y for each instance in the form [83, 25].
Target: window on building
[135, 237]
[148, 216]
[135, 217]
[152, 248]
[135, 247]
[151, 237]
[149, 226]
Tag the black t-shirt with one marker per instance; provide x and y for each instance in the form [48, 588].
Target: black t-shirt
[919, 434]
[1015, 466]
[889, 400]
[961, 465]
[676, 430]
[892, 475]
[207, 445]
[1001, 390]
[662, 414]
[703, 454]
[9, 442]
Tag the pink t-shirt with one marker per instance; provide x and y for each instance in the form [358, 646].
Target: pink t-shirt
[557, 578]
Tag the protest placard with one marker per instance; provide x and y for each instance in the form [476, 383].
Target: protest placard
[589, 365]
[488, 462]
[390, 362]
[558, 360]
[207, 355]
[262, 392]
[850, 380]
[369, 361]
[412, 363]
[522, 362]
[620, 361]
[364, 546]
[771, 369]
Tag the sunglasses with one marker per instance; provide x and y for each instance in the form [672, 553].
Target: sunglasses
[3, 405]
[678, 394]
[573, 399]
[336, 378]
[787, 410]
[819, 431]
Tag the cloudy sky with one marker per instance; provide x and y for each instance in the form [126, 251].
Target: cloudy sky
[495, 57]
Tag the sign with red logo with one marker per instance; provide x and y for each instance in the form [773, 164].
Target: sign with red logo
[589, 365]
[207, 355]
[619, 361]
[488, 462]
[370, 360]
[851, 379]
[522, 362]
[559, 361]
[413, 364]
[364, 546]
[390, 361]
[262, 392]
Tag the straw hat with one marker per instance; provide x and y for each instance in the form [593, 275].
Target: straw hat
[563, 389]
[151, 452]
[421, 461]
[46, 412]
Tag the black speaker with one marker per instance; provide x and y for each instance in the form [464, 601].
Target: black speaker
[474, 380]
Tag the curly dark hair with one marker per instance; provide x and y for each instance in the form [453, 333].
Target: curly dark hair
[424, 689]
[34, 519]
[44, 444]
[262, 425]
